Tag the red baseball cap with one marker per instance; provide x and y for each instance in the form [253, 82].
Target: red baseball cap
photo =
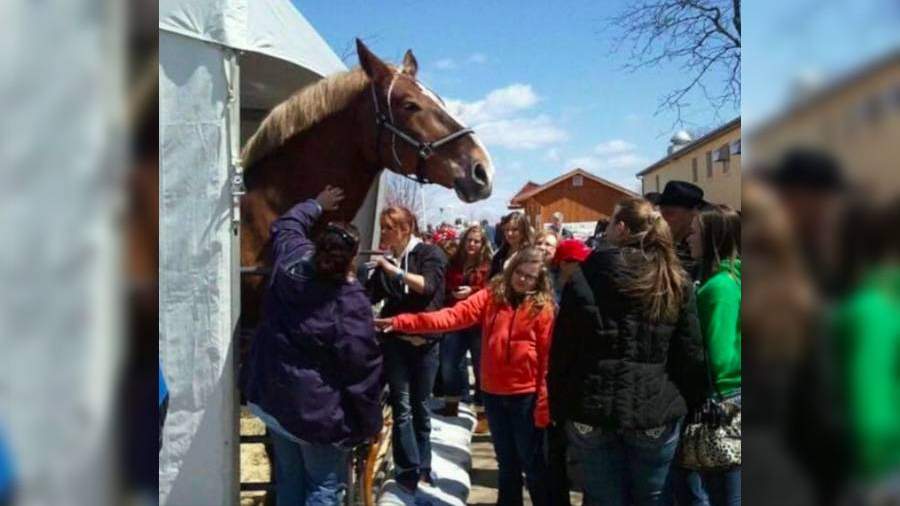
[571, 250]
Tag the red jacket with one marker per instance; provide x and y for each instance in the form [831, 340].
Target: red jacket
[455, 279]
[515, 343]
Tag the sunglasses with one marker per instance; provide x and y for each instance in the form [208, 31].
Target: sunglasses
[348, 239]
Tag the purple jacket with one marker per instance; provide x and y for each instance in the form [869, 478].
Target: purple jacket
[314, 363]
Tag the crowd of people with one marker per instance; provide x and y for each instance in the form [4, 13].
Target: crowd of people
[594, 353]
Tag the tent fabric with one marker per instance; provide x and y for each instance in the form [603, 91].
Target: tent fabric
[269, 27]
[196, 465]
[277, 52]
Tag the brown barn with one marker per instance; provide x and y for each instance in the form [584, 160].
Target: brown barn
[581, 196]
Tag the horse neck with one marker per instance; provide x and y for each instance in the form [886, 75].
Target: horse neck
[337, 151]
[333, 152]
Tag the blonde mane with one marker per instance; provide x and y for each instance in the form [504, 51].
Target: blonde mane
[301, 111]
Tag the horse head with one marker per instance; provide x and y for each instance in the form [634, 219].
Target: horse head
[415, 134]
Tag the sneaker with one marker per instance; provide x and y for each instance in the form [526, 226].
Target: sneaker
[481, 425]
[451, 408]
[428, 478]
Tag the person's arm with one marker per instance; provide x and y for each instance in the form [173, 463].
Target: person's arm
[719, 311]
[361, 366]
[686, 361]
[434, 268]
[290, 232]
[543, 330]
[461, 316]
[565, 343]
[427, 282]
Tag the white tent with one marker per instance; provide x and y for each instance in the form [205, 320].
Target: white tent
[223, 64]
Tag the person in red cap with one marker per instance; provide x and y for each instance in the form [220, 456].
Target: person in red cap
[569, 254]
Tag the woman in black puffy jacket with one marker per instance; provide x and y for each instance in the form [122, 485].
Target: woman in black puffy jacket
[626, 362]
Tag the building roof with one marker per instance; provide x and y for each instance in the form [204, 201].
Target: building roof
[526, 194]
[829, 90]
[513, 202]
[727, 127]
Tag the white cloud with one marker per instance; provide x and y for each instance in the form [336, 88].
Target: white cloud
[477, 58]
[627, 161]
[613, 147]
[499, 103]
[552, 155]
[521, 133]
[499, 119]
[588, 163]
[445, 64]
[614, 160]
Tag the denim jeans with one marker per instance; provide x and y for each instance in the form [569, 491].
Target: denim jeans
[688, 487]
[716, 488]
[625, 467]
[518, 444]
[454, 370]
[557, 465]
[308, 474]
[410, 374]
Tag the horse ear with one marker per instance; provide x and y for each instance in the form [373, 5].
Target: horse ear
[410, 65]
[371, 64]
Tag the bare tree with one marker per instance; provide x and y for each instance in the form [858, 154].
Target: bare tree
[703, 35]
[403, 192]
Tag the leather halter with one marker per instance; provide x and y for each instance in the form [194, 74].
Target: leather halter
[424, 150]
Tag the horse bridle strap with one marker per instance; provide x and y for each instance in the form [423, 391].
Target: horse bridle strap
[424, 150]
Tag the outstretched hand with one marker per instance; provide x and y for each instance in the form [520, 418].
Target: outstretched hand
[384, 324]
[330, 198]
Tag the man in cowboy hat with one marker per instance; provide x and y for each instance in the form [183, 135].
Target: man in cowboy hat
[679, 203]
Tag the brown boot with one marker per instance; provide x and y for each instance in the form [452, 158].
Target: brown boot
[481, 424]
[451, 408]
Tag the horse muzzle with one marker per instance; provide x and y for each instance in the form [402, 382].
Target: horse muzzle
[477, 183]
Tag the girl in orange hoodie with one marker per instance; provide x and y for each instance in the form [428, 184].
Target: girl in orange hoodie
[516, 313]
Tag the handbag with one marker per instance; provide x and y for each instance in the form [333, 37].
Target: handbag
[711, 440]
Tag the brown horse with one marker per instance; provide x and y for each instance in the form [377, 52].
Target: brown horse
[341, 132]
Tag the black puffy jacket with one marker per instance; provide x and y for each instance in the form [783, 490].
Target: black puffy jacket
[609, 366]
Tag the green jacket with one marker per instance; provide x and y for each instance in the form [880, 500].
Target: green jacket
[867, 329]
[719, 310]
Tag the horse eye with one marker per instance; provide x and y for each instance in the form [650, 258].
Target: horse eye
[411, 107]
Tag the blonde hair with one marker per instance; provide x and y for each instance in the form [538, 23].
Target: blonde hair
[659, 281]
[541, 297]
[302, 110]
[400, 216]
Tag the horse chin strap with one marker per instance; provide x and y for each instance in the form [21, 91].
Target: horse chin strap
[424, 150]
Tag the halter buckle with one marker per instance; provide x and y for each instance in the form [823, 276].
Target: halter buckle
[425, 151]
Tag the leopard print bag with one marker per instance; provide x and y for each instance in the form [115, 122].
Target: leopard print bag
[711, 440]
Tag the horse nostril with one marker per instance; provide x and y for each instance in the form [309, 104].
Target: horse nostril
[479, 174]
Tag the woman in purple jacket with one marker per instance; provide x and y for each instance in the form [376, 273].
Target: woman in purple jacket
[314, 371]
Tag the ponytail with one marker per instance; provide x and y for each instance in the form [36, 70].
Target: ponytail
[659, 280]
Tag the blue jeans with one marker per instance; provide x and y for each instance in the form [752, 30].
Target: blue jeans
[625, 467]
[719, 488]
[518, 444]
[454, 370]
[411, 371]
[688, 487]
[308, 474]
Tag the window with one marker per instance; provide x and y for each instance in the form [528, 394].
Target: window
[578, 180]
[736, 147]
[657, 183]
[709, 165]
[694, 168]
[723, 156]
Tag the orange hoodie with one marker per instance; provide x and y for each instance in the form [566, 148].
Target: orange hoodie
[515, 343]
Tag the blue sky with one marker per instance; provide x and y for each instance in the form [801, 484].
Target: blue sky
[820, 39]
[539, 78]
